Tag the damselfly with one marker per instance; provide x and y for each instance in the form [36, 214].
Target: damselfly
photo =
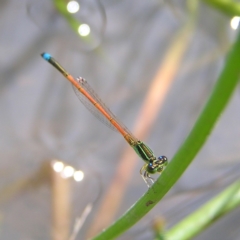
[91, 100]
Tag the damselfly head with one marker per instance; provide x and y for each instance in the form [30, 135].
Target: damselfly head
[163, 160]
[157, 165]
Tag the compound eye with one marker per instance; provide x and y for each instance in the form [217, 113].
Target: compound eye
[151, 168]
[163, 160]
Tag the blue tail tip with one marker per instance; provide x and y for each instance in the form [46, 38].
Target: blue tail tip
[46, 56]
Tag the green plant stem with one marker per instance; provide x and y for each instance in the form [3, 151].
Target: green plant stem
[222, 204]
[219, 98]
[227, 7]
[74, 25]
[71, 20]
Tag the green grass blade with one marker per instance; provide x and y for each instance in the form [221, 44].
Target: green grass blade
[206, 215]
[227, 7]
[219, 98]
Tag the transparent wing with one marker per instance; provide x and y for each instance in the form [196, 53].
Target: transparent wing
[83, 83]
